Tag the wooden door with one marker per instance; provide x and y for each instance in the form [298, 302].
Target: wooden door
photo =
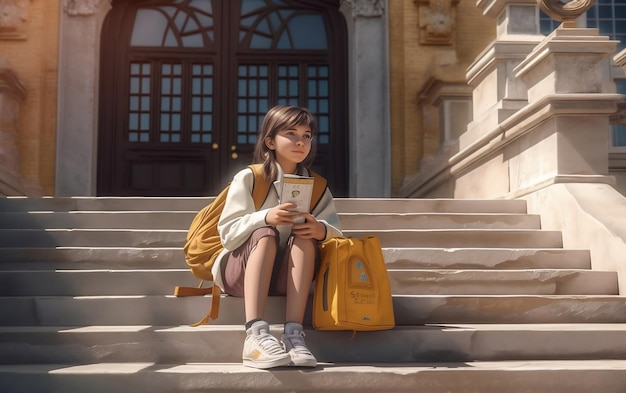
[185, 85]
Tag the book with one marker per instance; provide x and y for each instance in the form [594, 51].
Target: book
[298, 190]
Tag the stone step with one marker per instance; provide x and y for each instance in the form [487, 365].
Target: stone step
[484, 258]
[344, 205]
[223, 343]
[182, 220]
[97, 220]
[405, 282]
[400, 258]
[464, 238]
[503, 282]
[518, 238]
[409, 309]
[91, 237]
[376, 221]
[65, 204]
[537, 376]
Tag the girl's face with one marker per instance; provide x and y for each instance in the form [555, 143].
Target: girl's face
[291, 146]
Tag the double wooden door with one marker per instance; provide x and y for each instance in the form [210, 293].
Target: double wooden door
[185, 85]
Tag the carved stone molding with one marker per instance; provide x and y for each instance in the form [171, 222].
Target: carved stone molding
[82, 7]
[366, 8]
[437, 20]
[13, 15]
[565, 10]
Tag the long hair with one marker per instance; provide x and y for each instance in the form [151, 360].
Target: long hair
[279, 118]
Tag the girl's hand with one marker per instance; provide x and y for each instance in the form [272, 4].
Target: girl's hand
[310, 229]
[281, 215]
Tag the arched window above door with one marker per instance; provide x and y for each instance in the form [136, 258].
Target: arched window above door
[277, 25]
[188, 25]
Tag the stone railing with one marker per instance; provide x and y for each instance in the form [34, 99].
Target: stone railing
[542, 107]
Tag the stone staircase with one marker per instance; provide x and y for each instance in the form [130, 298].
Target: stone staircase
[485, 301]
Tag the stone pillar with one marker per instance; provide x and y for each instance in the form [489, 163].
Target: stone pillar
[497, 92]
[497, 95]
[370, 147]
[571, 95]
[12, 92]
[79, 56]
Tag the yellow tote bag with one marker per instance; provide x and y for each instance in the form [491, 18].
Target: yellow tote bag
[352, 290]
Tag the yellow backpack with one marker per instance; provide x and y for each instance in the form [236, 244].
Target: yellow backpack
[352, 290]
[203, 243]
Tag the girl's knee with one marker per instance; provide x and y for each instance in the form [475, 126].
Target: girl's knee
[307, 245]
[266, 236]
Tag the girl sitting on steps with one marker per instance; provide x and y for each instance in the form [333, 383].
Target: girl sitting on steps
[266, 251]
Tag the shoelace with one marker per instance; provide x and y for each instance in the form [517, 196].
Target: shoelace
[297, 342]
[268, 343]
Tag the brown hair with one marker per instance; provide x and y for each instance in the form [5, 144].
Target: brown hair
[279, 118]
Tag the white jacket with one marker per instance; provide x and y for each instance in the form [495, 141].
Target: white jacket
[240, 218]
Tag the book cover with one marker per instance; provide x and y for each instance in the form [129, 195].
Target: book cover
[298, 190]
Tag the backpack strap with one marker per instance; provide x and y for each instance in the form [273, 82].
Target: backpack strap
[260, 189]
[319, 187]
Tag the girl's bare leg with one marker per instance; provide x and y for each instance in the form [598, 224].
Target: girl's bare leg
[299, 277]
[258, 276]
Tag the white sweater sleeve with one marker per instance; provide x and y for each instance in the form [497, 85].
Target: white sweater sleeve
[239, 217]
[326, 213]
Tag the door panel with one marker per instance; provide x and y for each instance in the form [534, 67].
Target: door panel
[183, 100]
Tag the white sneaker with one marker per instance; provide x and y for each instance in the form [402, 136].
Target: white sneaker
[261, 349]
[293, 341]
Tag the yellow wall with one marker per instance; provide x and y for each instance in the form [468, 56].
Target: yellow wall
[30, 51]
[412, 65]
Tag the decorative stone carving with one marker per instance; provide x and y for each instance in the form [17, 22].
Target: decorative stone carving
[366, 8]
[81, 7]
[565, 10]
[13, 14]
[436, 21]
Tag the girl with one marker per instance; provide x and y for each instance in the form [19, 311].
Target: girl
[266, 251]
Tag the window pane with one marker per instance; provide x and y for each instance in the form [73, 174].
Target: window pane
[308, 32]
[149, 28]
[619, 136]
[271, 24]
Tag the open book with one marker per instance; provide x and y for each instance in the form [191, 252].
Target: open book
[298, 190]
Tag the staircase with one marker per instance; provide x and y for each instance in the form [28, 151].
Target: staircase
[485, 301]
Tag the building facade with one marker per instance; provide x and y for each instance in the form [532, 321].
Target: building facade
[163, 97]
